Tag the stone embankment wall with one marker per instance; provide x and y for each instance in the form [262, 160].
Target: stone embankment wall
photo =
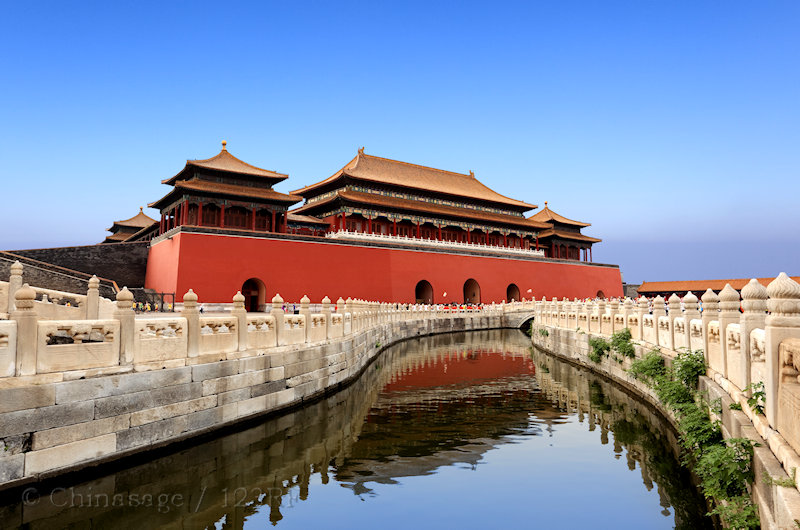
[82, 392]
[755, 339]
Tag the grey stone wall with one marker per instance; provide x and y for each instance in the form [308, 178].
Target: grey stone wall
[56, 427]
[125, 263]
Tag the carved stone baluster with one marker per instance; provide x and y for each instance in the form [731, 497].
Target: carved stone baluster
[240, 314]
[14, 284]
[674, 303]
[27, 341]
[93, 299]
[278, 313]
[192, 315]
[326, 312]
[782, 323]
[691, 312]
[305, 311]
[754, 305]
[710, 313]
[729, 304]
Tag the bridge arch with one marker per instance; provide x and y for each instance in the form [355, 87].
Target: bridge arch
[512, 293]
[472, 292]
[423, 292]
[255, 294]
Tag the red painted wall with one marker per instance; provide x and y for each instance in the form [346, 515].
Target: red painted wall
[216, 266]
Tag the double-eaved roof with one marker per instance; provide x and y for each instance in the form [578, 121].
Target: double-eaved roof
[138, 221]
[379, 170]
[235, 174]
[227, 163]
[546, 215]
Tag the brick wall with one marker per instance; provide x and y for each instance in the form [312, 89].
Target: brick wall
[125, 263]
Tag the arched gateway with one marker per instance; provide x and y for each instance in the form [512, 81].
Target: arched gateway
[512, 293]
[472, 292]
[423, 293]
[254, 292]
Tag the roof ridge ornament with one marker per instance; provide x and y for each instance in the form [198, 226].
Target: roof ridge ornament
[361, 151]
[471, 173]
[545, 204]
[224, 145]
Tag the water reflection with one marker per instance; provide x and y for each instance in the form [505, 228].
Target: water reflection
[428, 425]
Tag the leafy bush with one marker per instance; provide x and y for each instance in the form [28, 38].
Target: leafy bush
[621, 342]
[696, 428]
[650, 368]
[758, 397]
[689, 366]
[543, 332]
[726, 469]
[739, 513]
[673, 393]
[600, 348]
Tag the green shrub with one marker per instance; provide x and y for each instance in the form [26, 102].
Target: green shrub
[726, 469]
[696, 428]
[758, 397]
[649, 368]
[621, 343]
[673, 393]
[739, 513]
[543, 332]
[735, 406]
[600, 348]
[689, 366]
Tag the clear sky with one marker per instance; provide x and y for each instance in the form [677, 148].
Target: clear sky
[673, 127]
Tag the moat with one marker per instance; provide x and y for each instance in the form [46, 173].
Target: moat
[464, 430]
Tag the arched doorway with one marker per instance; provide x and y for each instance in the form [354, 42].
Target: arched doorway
[472, 292]
[423, 293]
[601, 294]
[512, 293]
[254, 293]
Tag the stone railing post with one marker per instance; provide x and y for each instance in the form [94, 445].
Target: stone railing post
[690, 312]
[754, 304]
[192, 315]
[240, 314]
[305, 310]
[782, 323]
[642, 309]
[659, 310]
[93, 299]
[278, 313]
[674, 303]
[326, 311]
[14, 284]
[127, 326]
[729, 303]
[614, 308]
[627, 310]
[710, 313]
[27, 330]
[600, 308]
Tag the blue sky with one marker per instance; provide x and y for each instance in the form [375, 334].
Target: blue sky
[673, 127]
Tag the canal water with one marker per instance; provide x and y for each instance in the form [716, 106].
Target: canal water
[465, 430]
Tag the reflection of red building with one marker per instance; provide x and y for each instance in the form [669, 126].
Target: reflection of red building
[392, 231]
